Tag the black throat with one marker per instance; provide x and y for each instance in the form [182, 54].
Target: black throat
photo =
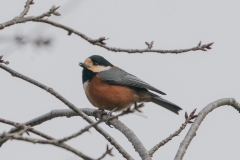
[87, 75]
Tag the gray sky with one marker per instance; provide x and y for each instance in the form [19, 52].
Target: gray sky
[191, 80]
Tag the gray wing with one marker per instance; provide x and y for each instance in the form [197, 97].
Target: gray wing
[120, 77]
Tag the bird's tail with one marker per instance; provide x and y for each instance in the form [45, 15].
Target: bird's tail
[164, 103]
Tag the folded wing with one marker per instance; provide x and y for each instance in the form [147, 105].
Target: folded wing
[121, 77]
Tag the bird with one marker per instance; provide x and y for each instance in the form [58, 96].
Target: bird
[108, 87]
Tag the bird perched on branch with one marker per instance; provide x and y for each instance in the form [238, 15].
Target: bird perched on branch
[108, 87]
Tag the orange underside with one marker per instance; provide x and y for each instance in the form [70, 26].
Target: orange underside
[107, 96]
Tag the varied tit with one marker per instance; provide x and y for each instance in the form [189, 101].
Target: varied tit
[108, 87]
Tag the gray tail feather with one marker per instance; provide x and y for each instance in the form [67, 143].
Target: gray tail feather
[164, 103]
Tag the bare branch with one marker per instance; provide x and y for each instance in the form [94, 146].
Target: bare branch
[22, 128]
[108, 152]
[34, 140]
[176, 133]
[192, 131]
[90, 112]
[17, 125]
[103, 45]
[21, 19]
[100, 41]
[20, 132]
[49, 13]
[70, 105]
[129, 134]
[137, 144]
[102, 119]
[62, 145]
[2, 61]
[26, 8]
[150, 45]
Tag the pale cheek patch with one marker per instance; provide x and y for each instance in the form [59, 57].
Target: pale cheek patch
[99, 68]
[88, 62]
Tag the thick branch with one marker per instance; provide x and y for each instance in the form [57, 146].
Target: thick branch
[90, 112]
[70, 105]
[102, 118]
[100, 41]
[129, 134]
[192, 131]
[137, 144]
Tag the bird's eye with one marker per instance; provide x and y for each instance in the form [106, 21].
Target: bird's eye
[95, 63]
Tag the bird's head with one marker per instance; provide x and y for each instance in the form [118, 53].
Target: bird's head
[96, 63]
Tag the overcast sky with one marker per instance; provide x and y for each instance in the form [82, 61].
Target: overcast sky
[191, 80]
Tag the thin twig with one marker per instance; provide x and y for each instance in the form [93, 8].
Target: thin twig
[21, 19]
[20, 127]
[73, 150]
[107, 152]
[40, 141]
[26, 8]
[192, 131]
[99, 41]
[188, 119]
[150, 45]
[23, 130]
[71, 106]
[2, 61]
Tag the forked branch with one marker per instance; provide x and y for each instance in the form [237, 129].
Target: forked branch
[23, 128]
[201, 115]
[91, 112]
[188, 120]
[2, 61]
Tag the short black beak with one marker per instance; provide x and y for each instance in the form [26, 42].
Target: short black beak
[83, 65]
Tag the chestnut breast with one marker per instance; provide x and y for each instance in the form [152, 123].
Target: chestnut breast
[108, 96]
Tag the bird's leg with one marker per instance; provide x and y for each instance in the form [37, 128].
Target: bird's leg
[109, 115]
[99, 111]
[136, 106]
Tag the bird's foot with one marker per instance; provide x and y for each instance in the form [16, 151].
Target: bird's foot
[138, 106]
[99, 111]
[109, 115]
